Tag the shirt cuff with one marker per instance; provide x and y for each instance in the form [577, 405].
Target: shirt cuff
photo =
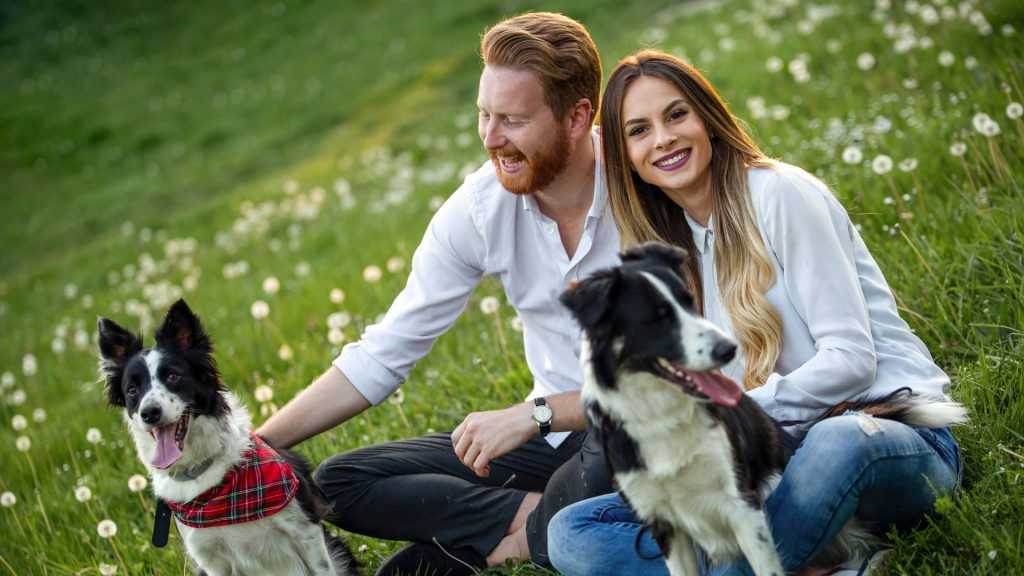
[765, 397]
[370, 378]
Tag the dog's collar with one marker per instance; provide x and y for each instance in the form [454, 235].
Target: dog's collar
[194, 472]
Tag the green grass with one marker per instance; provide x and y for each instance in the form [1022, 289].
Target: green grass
[151, 150]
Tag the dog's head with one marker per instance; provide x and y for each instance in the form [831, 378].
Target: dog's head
[162, 388]
[640, 317]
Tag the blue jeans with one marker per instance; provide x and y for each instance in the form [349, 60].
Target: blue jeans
[891, 477]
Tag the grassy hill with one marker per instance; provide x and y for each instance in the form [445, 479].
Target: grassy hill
[155, 150]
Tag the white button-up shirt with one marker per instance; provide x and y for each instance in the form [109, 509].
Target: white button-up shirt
[484, 229]
[842, 336]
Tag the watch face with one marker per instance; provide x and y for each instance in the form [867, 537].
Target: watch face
[542, 413]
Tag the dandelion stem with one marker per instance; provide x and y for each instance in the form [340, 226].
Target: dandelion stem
[998, 159]
[42, 509]
[120, 560]
[935, 279]
[502, 341]
[71, 453]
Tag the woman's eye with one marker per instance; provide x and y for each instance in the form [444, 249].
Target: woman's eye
[677, 114]
[636, 131]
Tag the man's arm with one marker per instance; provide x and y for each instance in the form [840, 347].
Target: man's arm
[330, 400]
[483, 436]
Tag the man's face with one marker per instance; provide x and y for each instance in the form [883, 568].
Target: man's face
[529, 147]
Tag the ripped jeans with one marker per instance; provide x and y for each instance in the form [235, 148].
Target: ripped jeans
[885, 477]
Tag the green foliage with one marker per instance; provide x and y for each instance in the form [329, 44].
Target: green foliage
[156, 150]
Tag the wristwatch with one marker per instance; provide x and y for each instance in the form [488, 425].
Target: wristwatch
[542, 415]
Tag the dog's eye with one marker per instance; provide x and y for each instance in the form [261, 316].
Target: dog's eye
[131, 392]
[173, 377]
[661, 312]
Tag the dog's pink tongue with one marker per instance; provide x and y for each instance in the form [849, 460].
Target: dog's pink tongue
[719, 388]
[167, 451]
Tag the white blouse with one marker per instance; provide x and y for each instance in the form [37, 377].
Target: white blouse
[842, 337]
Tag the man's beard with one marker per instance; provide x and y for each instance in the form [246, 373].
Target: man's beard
[540, 170]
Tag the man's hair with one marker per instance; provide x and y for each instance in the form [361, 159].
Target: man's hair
[556, 48]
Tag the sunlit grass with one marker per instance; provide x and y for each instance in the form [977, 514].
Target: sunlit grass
[277, 166]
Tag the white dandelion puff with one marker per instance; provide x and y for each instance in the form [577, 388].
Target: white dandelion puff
[285, 352]
[852, 155]
[336, 336]
[774, 64]
[106, 528]
[263, 393]
[337, 296]
[19, 422]
[18, 397]
[39, 415]
[107, 569]
[23, 443]
[1014, 110]
[866, 61]
[395, 264]
[29, 365]
[271, 285]
[882, 164]
[958, 149]
[83, 494]
[93, 436]
[397, 398]
[372, 273]
[137, 483]
[517, 324]
[946, 59]
[8, 499]
[908, 165]
[259, 309]
[489, 305]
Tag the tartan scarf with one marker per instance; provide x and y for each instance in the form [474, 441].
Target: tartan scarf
[261, 485]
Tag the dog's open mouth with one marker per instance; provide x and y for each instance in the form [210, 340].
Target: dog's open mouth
[170, 440]
[717, 387]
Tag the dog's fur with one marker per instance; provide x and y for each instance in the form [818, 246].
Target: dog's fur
[692, 455]
[176, 384]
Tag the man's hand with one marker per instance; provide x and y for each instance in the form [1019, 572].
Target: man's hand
[483, 436]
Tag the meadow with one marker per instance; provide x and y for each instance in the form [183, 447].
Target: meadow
[276, 163]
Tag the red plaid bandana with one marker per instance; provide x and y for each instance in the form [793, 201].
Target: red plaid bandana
[260, 486]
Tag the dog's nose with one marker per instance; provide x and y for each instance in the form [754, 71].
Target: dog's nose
[151, 414]
[723, 351]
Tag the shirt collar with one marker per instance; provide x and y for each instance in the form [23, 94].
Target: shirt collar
[702, 237]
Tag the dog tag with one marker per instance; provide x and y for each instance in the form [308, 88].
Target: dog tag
[161, 523]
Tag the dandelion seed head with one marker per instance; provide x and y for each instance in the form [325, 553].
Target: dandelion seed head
[8, 499]
[83, 494]
[946, 59]
[137, 483]
[908, 164]
[39, 415]
[336, 336]
[93, 436]
[263, 393]
[29, 365]
[882, 164]
[302, 269]
[1014, 110]
[107, 569]
[866, 61]
[339, 320]
[23, 443]
[6, 380]
[774, 64]
[489, 305]
[516, 323]
[259, 309]
[271, 285]
[337, 296]
[395, 264]
[372, 273]
[106, 528]
[398, 397]
[852, 155]
[18, 397]
[285, 352]
[958, 149]
[991, 554]
[19, 422]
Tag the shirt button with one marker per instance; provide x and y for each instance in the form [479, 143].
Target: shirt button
[551, 230]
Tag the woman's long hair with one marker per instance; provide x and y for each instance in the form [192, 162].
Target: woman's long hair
[643, 212]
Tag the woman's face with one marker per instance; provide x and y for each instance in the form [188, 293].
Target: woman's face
[666, 141]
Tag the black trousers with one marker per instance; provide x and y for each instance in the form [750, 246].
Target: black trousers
[418, 490]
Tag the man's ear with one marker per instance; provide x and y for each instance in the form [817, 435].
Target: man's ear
[581, 118]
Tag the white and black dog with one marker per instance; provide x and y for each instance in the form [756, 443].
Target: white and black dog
[241, 507]
[692, 454]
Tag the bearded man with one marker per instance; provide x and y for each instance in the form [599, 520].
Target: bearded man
[536, 218]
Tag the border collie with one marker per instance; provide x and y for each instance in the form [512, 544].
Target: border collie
[241, 507]
[692, 454]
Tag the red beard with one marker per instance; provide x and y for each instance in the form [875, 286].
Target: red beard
[540, 170]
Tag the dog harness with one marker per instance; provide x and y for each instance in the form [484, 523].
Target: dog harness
[261, 485]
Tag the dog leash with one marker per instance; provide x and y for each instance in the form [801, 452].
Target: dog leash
[161, 523]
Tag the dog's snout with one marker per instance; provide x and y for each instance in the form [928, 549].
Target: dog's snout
[151, 414]
[723, 351]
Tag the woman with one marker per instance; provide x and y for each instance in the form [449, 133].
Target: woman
[777, 262]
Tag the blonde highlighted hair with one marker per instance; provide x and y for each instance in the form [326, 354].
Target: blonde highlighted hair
[643, 212]
[556, 48]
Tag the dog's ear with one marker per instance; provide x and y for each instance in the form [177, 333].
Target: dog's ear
[591, 299]
[673, 256]
[116, 346]
[182, 330]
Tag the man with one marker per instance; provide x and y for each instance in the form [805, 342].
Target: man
[536, 218]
